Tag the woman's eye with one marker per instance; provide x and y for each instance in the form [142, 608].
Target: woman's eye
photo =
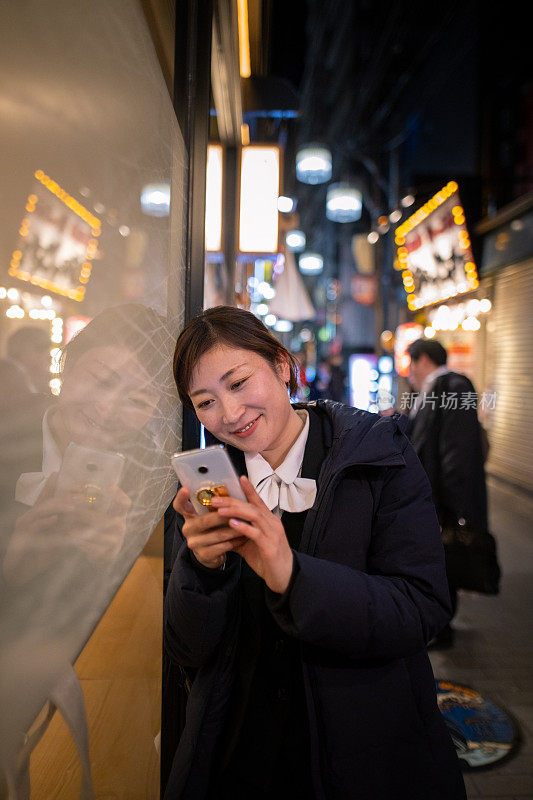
[237, 384]
[140, 404]
[204, 404]
[101, 380]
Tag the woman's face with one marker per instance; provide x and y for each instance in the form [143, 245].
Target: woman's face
[242, 401]
[106, 396]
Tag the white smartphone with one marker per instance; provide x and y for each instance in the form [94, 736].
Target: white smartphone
[96, 470]
[207, 474]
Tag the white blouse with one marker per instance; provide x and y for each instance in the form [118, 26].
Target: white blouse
[282, 489]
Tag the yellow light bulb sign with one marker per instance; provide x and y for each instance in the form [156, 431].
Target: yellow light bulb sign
[434, 251]
[58, 240]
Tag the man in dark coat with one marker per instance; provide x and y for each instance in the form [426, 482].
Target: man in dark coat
[367, 592]
[446, 435]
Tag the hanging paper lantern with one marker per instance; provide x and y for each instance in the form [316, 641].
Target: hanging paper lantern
[295, 241]
[313, 164]
[155, 199]
[343, 203]
[311, 263]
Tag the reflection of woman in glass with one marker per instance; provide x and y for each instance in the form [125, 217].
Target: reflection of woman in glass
[112, 383]
[66, 550]
[301, 617]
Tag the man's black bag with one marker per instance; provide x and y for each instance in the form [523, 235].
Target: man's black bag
[471, 560]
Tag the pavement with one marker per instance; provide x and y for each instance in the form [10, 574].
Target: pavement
[493, 649]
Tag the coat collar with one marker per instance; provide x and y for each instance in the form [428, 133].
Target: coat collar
[360, 438]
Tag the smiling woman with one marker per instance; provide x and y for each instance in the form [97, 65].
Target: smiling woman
[301, 616]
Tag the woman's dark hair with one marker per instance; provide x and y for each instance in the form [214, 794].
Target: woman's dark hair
[138, 328]
[429, 347]
[233, 327]
[142, 331]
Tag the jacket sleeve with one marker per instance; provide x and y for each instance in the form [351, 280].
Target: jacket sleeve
[460, 459]
[399, 603]
[198, 602]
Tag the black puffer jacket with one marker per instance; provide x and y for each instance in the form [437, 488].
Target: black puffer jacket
[368, 592]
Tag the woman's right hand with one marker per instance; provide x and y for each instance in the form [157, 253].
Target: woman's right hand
[35, 542]
[208, 536]
[57, 524]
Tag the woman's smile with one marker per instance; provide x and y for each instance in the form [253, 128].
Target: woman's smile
[248, 429]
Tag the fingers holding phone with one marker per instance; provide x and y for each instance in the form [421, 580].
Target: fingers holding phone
[182, 504]
[208, 536]
[205, 474]
[80, 509]
[100, 534]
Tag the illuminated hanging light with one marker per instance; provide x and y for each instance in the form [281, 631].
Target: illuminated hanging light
[385, 365]
[15, 312]
[395, 216]
[295, 241]
[373, 237]
[313, 164]
[286, 204]
[408, 200]
[311, 263]
[155, 199]
[268, 292]
[471, 324]
[343, 203]
[55, 385]
[283, 326]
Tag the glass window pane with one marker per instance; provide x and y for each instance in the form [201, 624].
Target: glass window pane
[91, 244]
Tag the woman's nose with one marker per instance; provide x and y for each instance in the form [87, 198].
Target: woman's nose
[109, 404]
[231, 412]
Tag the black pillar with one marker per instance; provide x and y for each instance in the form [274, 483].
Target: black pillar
[192, 77]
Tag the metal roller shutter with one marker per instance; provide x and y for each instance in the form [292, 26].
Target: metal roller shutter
[509, 367]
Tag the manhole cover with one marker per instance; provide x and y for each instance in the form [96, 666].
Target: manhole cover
[481, 732]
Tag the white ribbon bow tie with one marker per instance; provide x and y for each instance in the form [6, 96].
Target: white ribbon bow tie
[296, 496]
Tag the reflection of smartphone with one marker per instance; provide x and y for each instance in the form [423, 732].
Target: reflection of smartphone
[96, 470]
[206, 474]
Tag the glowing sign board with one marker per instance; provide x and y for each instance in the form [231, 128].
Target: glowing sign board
[434, 251]
[260, 180]
[405, 335]
[362, 381]
[57, 241]
[213, 198]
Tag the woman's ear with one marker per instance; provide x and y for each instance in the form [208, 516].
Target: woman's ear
[284, 370]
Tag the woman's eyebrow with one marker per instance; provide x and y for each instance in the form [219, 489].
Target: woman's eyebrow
[222, 378]
[110, 371]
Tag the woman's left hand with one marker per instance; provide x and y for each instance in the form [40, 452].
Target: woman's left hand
[266, 549]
